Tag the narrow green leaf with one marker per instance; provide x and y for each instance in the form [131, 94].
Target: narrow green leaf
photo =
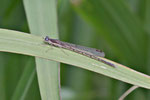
[118, 26]
[42, 19]
[25, 81]
[18, 42]
[147, 15]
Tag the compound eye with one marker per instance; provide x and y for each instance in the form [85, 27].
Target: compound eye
[46, 38]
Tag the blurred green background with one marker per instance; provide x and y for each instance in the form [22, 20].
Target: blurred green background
[118, 27]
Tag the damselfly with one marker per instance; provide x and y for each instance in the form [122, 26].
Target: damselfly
[89, 52]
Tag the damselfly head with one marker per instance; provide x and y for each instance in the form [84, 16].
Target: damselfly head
[50, 41]
[46, 38]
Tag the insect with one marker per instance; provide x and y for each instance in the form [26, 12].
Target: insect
[89, 52]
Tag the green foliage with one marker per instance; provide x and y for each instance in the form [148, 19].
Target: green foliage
[119, 27]
[42, 21]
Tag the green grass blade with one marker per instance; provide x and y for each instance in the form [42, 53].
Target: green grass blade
[18, 42]
[147, 25]
[3, 95]
[42, 19]
[147, 15]
[118, 26]
[25, 81]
